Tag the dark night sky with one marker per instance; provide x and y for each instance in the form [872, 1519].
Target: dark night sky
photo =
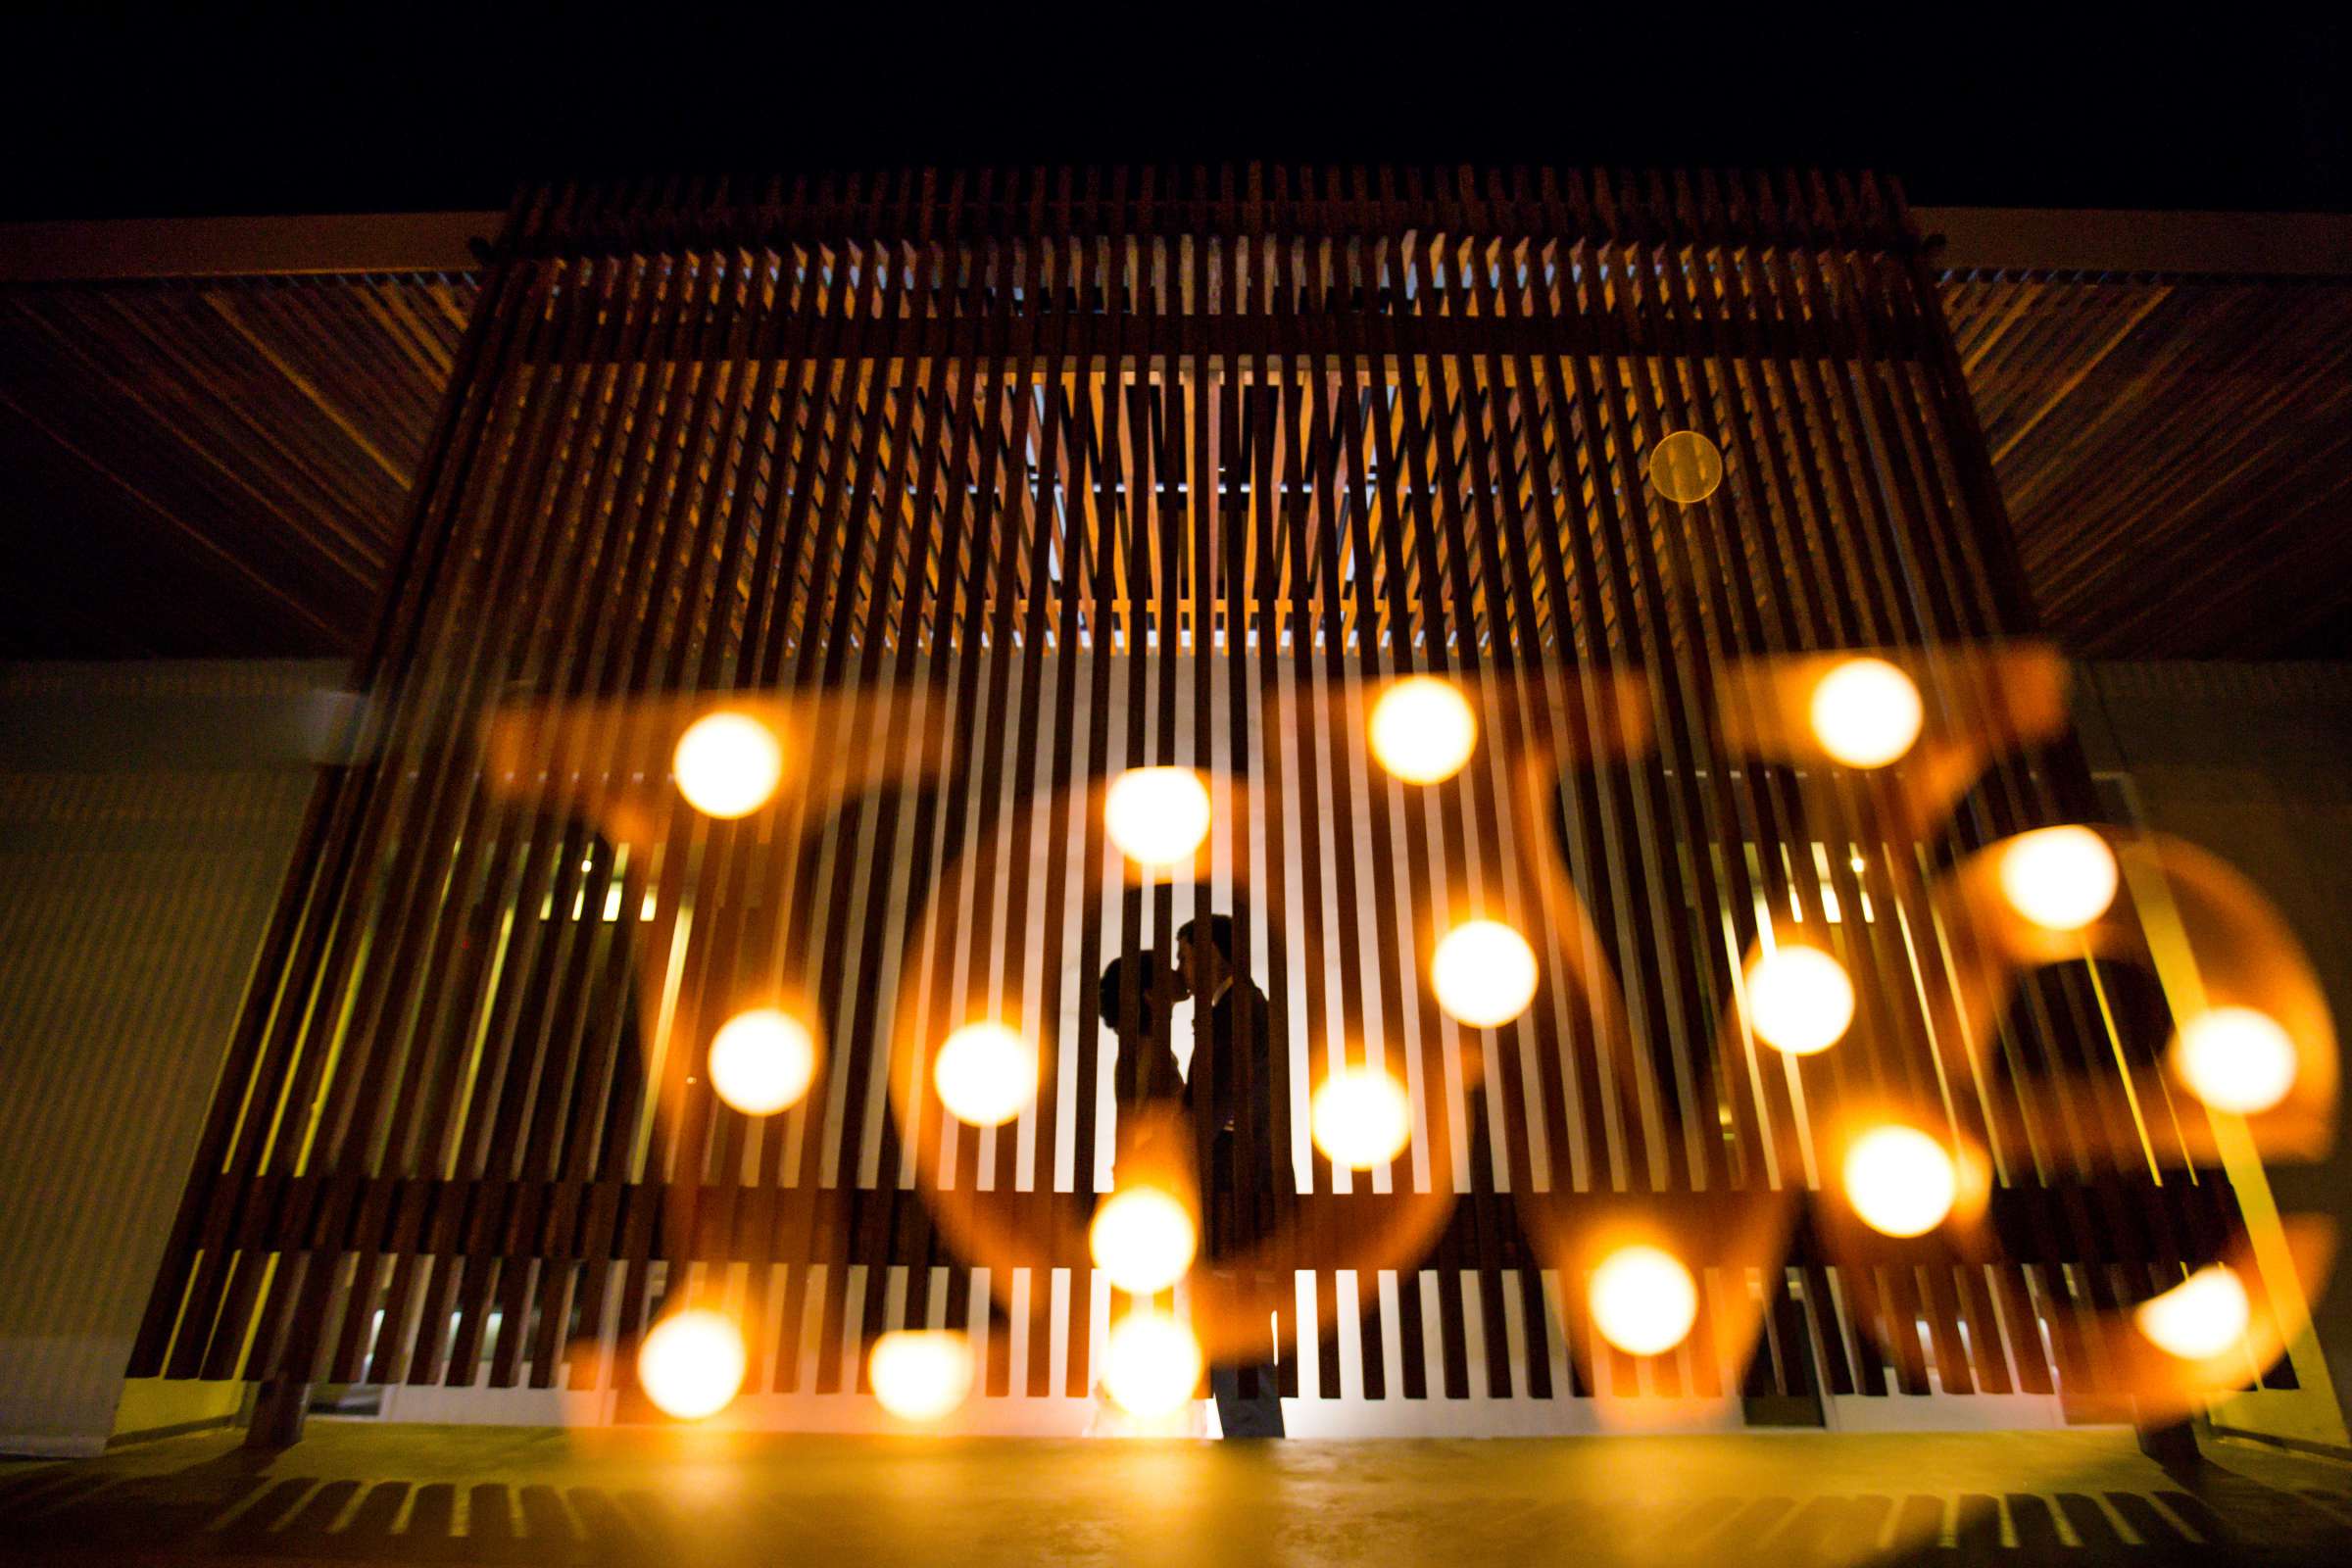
[124, 113]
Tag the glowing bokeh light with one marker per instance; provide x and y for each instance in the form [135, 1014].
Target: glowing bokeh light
[1800, 1000]
[1423, 729]
[1483, 973]
[1685, 467]
[1152, 1364]
[1644, 1300]
[2203, 1316]
[921, 1374]
[761, 1060]
[2060, 878]
[1144, 1238]
[1866, 713]
[728, 765]
[1361, 1117]
[2235, 1059]
[1157, 817]
[692, 1363]
[1900, 1181]
[986, 1074]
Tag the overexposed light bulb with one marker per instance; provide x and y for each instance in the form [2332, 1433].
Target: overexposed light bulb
[1144, 1238]
[2060, 878]
[761, 1060]
[2203, 1316]
[1423, 729]
[986, 1074]
[1643, 1301]
[692, 1363]
[1152, 1364]
[921, 1374]
[1685, 467]
[1866, 713]
[1800, 1000]
[1483, 973]
[1361, 1117]
[728, 765]
[1157, 817]
[1900, 1181]
[2235, 1059]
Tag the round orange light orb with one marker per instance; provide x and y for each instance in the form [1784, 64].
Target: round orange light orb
[986, 1074]
[2235, 1059]
[1144, 1238]
[2060, 878]
[1900, 1181]
[761, 1060]
[1685, 467]
[1644, 1300]
[1866, 713]
[1800, 1000]
[2203, 1316]
[692, 1363]
[1361, 1117]
[921, 1374]
[1483, 973]
[1423, 729]
[1152, 1364]
[728, 765]
[1157, 817]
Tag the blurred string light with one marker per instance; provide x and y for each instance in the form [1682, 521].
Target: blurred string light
[1423, 729]
[762, 1060]
[1800, 1000]
[2235, 1059]
[2060, 878]
[1361, 1117]
[1866, 713]
[921, 1374]
[1144, 1238]
[1900, 1181]
[2203, 1316]
[728, 765]
[1152, 1364]
[1483, 973]
[986, 1074]
[1685, 467]
[692, 1363]
[1643, 1301]
[1157, 817]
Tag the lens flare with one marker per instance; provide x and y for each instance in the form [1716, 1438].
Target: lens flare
[761, 1060]
[2060, 878]
[1423, 729]
[1152, 1364]
[728, 765]
[1483, 973]
[692, 1363]
[1643, 1301]
[1866, 713]
[1900, 1181]
[2203, 1316]
[2235, 1059]
[986, 1074]
[1144, 1238]
[1685, 467]
[1800, 1000]
[921, 1374]
[1361, 1117]
[1157, 817]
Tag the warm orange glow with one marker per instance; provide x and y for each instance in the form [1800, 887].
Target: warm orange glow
[1900, 1181]
[1157, 817]
[1643, 1301]
[1685, 467]
[1144, 1238]
[728, 765]
[761, 1060]
[1423, 729]
[1483, 973]
[921, 1374]
[1866, 713]
[2235, 1059]
[1800, 1000]
[2203, 1316]
[2060, 878]
[1361, 1117]
[1153, 1364]
[986, 1074]
[692, 1363]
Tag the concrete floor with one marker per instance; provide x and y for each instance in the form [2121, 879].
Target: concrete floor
[359, 1492]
